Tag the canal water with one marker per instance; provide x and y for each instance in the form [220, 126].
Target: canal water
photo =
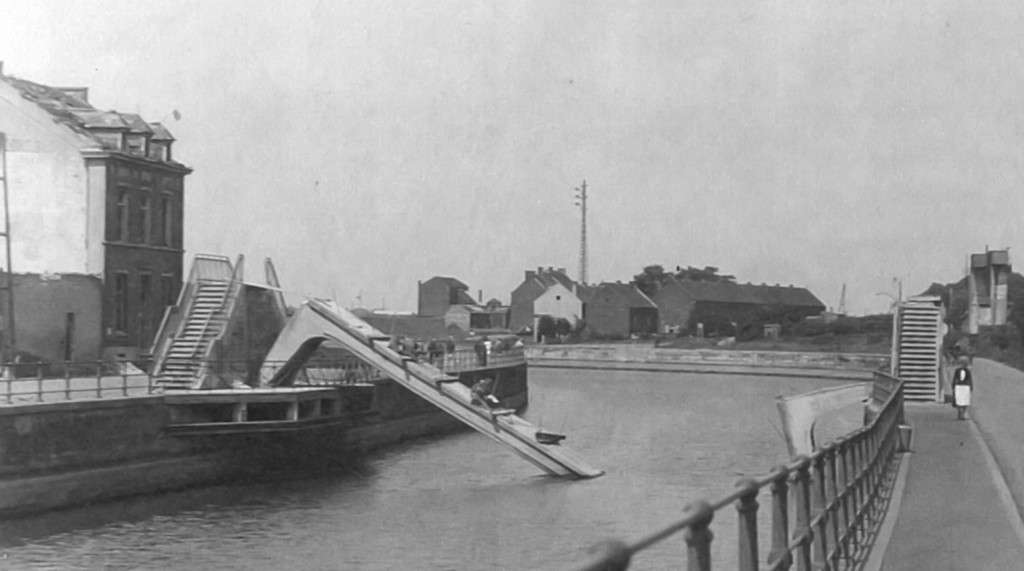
[459, 501]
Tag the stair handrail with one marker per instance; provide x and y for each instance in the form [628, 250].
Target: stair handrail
[227, 307]
[165, 337]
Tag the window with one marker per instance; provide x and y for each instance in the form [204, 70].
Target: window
[136, 144]
[145, 283]
[121, 302]
[167, 289]
[121, 222]
[168, 211]
[147, 220]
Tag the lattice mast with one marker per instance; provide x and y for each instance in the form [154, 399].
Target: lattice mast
[581, 201]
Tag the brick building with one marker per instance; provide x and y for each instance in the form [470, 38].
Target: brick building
[684, 303]
[96, 207]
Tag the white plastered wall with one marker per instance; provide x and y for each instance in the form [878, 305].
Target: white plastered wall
[47, 187]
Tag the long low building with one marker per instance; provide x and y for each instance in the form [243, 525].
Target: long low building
[682, 304]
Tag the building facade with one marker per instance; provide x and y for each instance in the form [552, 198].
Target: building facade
[988, 289]
[618, 310]
[96, 208]
[682, 304]
[535, 282]
[438, 294]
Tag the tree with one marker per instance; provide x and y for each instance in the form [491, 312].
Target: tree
[546, 327]
[651, 279]
[708, 274]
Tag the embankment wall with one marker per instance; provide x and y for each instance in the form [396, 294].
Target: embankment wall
[637, 356]
[55, 455]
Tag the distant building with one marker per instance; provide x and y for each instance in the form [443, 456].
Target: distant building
[618, 310]
[559, 302]
[449, 298]
[535, 283]
[988, 283]
[440, 293]
[684, 303]
[96, 206]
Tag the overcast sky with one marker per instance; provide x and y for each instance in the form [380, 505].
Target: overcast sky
[367, 145]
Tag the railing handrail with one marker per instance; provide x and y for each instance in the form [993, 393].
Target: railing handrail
[97, 385]
[810, 530]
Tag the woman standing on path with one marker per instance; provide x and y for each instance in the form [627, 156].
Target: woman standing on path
[962, 387]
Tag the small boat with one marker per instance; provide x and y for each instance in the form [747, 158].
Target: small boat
[548, 437]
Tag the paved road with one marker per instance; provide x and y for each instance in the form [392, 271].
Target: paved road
[953, 513]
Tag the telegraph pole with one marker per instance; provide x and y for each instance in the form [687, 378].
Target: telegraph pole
[581, 201]
[9, 342]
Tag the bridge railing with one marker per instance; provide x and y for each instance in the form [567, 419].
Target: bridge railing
[825, 508]
[27, 383]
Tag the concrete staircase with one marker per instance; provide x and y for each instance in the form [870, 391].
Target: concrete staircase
[183, 365]
[919, 348]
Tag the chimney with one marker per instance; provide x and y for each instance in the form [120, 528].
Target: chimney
[561, 270]
[530, 274]
[480, 295]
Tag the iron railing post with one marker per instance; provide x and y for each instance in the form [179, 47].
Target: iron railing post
[746, 510]
[780, 519]
[124, 379]
[99, 379]
[802, 498]
[832, 504]
[819, 517]
[698, 538]
[39, 382]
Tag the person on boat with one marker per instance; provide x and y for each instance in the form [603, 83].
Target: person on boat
[482, 347]
[963, 386]
[435, 351]
[482, 394]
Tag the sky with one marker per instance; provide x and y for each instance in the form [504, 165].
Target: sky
[366, 145]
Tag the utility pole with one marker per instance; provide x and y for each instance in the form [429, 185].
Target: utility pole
[9, 341]
[581, 201]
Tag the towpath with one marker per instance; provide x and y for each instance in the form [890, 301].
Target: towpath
[958, 510]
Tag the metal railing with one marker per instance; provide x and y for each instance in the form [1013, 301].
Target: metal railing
[27, 383]
[321, 372]
[838, 497]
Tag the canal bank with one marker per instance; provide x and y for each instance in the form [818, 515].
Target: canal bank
[647, 357]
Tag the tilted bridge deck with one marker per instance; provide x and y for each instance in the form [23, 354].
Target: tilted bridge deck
[321, 320]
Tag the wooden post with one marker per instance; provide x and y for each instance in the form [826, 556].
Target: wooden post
[746, 510]
[698, 538]
[124, 379]
[802, 531]
[39, 382]
[780, 519]
[99, 379]
[67, 380]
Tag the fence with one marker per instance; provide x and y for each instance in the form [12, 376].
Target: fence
[320, 372]
[26, 383]
[838, 497]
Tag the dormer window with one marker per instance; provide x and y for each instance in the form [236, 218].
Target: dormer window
[135, 144]
[158, 150]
